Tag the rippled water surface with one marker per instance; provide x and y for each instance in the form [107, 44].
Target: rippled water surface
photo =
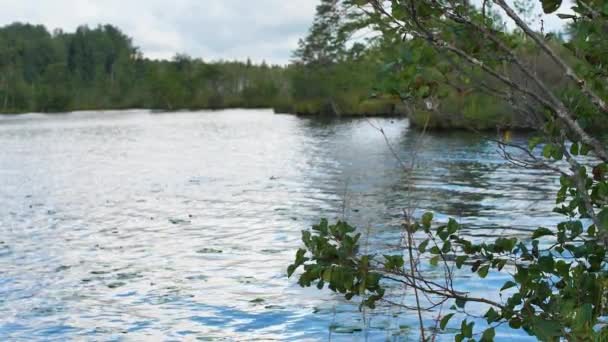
[178, 226]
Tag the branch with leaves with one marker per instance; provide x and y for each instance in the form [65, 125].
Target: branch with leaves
[558, 287]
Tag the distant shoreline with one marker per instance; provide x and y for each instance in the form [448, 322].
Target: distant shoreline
[413, 124]
[178, 110]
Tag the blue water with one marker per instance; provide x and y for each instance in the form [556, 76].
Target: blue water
[177, 226]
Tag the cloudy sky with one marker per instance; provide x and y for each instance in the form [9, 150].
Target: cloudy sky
[210, 29]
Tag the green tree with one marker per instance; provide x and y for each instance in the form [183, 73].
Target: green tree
[325, 42]
[558, 285]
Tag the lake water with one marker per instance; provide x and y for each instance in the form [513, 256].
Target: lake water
[179, 226]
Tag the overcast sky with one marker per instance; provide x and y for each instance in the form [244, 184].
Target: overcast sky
[210, 29]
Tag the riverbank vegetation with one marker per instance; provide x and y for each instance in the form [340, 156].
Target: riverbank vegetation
[101, 68]
[349, 58]
[555, 279]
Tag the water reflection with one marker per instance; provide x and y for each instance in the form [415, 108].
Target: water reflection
[170, 226]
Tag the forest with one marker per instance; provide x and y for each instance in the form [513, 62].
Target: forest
[101, 68]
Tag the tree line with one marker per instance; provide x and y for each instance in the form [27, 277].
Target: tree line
[101, 68]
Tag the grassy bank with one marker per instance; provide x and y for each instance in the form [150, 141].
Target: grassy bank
[344, 106]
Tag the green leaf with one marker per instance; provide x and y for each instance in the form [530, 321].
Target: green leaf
[492, 316]
[592, 230]
[488, 335]
[327, 275]
[515, 323]
[509, 284]
[483, 271]
[460, 260]
[603, 218]
[558, 153]
[546, 330]
[503, 244]
[423, 245]
[562, 268]
[547, 151]
[584, 316]
[534, 142]
[550, 6]
[322, 226]
[427, 219]
[574, 148]
[306, 235]
[290, 270]
[447, 247]
[424, 91]
[452, 226]
[540, 232]
[300, 260]
[461, 302]
[500, 264]
[445, 320]
[393, 262]
[434, 260]
[466, 329]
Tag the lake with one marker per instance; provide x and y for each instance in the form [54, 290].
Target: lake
[176, 226]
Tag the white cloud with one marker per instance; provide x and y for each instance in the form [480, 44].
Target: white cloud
[210, 29]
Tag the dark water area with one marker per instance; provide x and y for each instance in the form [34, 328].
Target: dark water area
[179, 226]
